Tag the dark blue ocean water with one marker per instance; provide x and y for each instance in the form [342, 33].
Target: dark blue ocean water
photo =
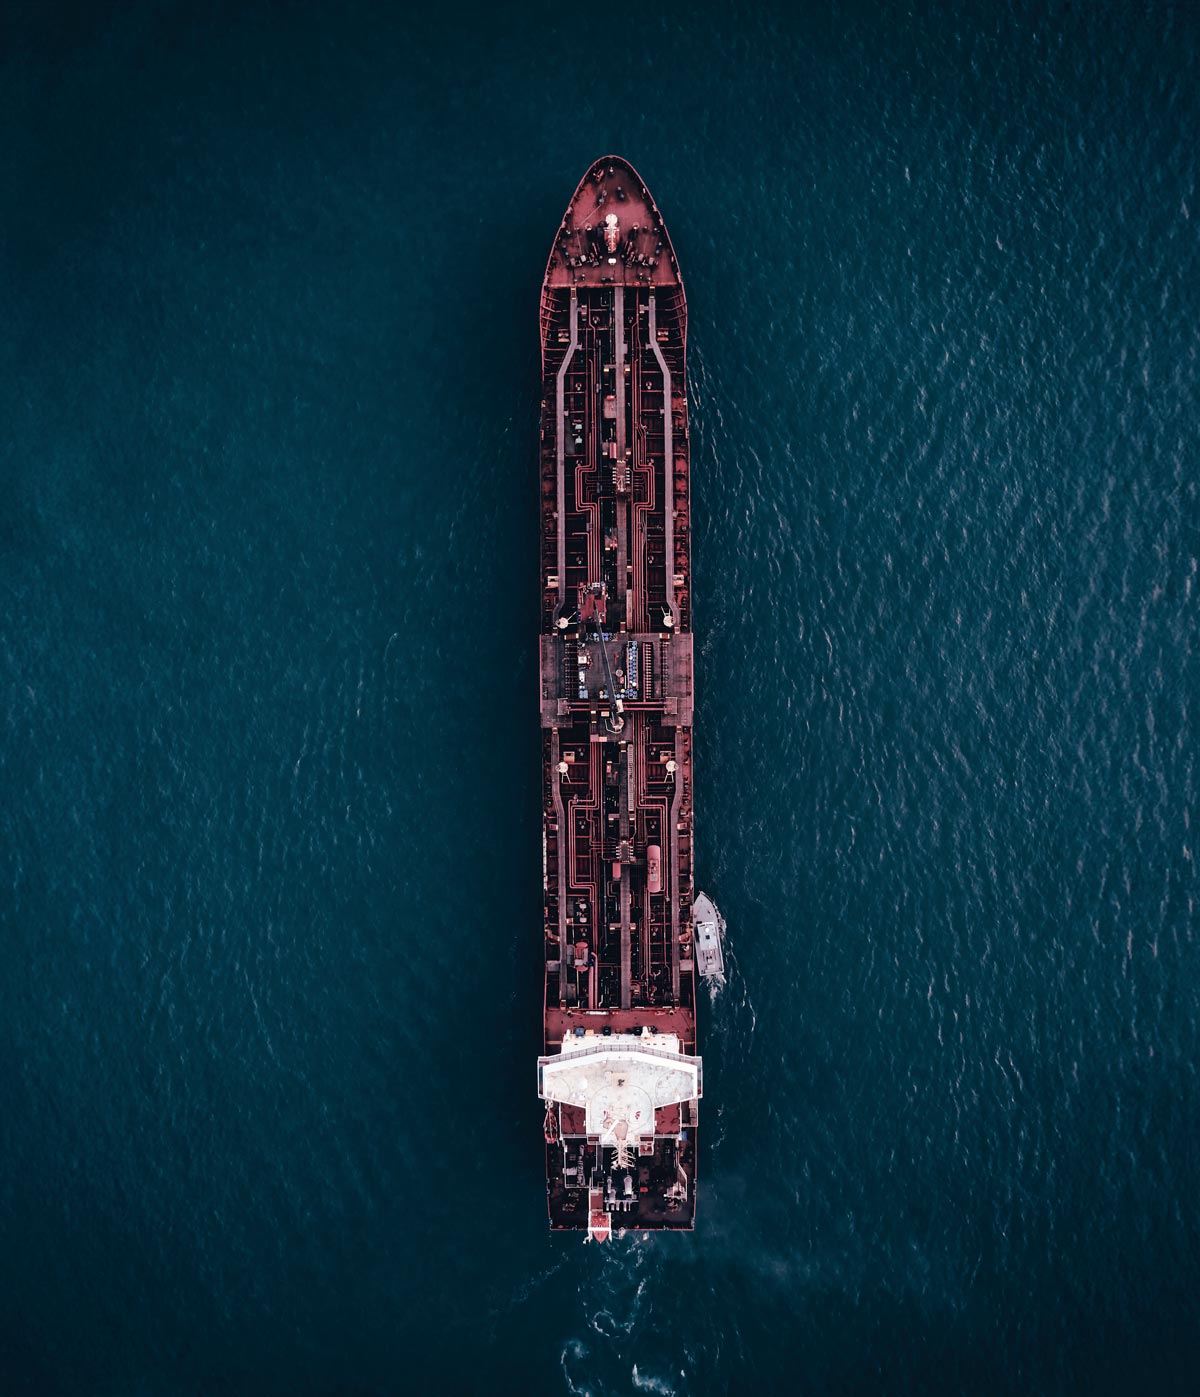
[269, 840]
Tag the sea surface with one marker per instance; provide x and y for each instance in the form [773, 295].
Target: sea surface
[270, 859]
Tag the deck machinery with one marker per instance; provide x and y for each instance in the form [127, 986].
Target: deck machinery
[619, 1076]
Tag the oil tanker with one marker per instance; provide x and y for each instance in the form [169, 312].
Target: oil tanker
[619, 1075]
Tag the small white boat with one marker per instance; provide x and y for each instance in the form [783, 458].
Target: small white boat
[709, 932]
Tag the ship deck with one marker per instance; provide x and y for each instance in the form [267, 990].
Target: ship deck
[616, 667]
[643, 255]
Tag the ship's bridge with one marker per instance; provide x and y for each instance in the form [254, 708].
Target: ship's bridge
[620, 1082]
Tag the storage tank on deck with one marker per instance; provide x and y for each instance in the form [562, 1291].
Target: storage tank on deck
[654, 868]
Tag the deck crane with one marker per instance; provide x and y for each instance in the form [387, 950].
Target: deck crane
[616, 709]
